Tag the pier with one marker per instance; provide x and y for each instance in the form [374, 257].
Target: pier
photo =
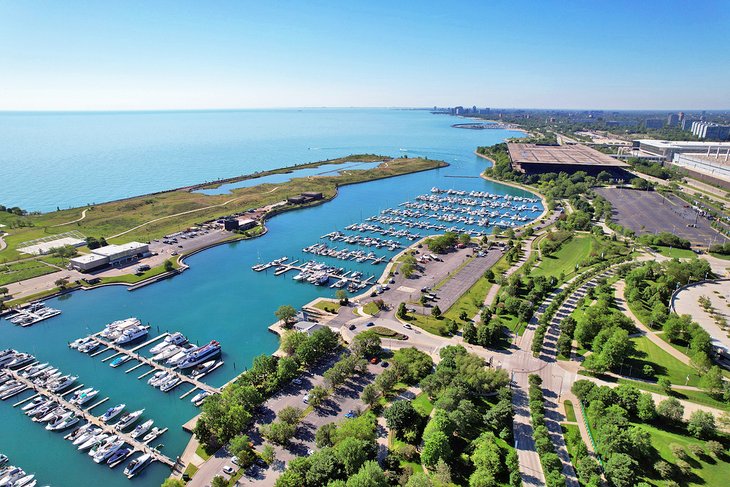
[90, 418]
[155, 366]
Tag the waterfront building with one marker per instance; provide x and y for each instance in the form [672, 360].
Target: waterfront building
[654, 123]
[110, 255]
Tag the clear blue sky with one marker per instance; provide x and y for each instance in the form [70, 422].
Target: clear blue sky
[93, 55]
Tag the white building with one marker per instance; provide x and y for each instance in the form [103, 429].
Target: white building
[110, 255]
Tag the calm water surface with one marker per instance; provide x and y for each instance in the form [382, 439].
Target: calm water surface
[219, 297]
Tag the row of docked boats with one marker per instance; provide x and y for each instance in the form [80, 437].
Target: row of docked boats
[319, 273]
[32, 314]
[392, 232]
[359, 256]
[268, 265]
[365, 241]
[12, 476]
[483, 194]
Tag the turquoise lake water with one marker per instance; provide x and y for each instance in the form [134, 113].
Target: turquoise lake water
[219, 297]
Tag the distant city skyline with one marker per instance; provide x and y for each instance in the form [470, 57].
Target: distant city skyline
[173, 55]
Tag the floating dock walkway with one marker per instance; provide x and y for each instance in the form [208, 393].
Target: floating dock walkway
[155, 366]
[85, 414]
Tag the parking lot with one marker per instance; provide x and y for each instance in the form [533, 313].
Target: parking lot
[650, 212]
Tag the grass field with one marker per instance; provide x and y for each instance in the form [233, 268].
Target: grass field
[422, 404]
[566, 258]
[388, 333]
[663, 363]
[427, 323]
[720, 256]
[697, 397]
[331, 305]
[21, 271]
[108, 219]
[371, 308]
[470, 301]
[571, 435]
[569, 411]
[674, 253]
[706, 471]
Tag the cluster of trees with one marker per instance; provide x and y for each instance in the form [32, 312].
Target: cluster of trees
[408, 365]
[283, 429]
[64, 252]
[409, 265]
[554, 240]
[522, 294]
[462, 374]
[15, 210]
[577, 220]
[94, 243]
[345, 458]
[651, 168]
[442, 243]
[489, 332]
[722, 249]
[627, 449]
[552, 466]
[605, 331]
[225, 415]
[307, 349]
[665, 239]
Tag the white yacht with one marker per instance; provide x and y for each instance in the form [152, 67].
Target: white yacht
[142, 428]
[128, 420]
[112, 413]
[137, 465]
[176, 338]
[131, 334]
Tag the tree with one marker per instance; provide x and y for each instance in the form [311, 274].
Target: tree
[702, 424]
[369, 395]
[386, 381]
[286, 369]
[415, 364]
[352, 452]
[268, 454]
[401, 416]
[291, 340]
[278, 432]
[173, 483]
[436, 447]
[169, 265]
[407, 269]
[366, 344]
[645, 407]
[712, 381]
[341, 295]
[61, 283]
[664, 469]
[286, 313]
[469, 333]
[671, 410]
[621, 470]
[3, 291]
[240, 447]
[317, 396]
[436, 312]
[665, 385]
[219, 481]
[290, 415]
[402, 312]
[419, 479]
[715, 447]
[369, 475]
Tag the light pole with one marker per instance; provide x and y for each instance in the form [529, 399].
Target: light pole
[560, 390]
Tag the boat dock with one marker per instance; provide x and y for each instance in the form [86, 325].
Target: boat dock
[154, 366]
[331, 275]
[79, 411]
[32, 315]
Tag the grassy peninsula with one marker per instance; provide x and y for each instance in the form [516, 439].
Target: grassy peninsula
[153, 215]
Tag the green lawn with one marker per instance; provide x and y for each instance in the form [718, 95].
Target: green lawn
[571, 435]
[371, 308]
[698, 397]
[191, 470]
[569, 411]
[134, 278]
[566, 258]
[427, 323]
[422, 404]
[674, 253]
[664, 364]
[330, 305]
[388, 333]
[200, 451]
[707, 471]
[720, 256]
[470, 301]
[23, 270]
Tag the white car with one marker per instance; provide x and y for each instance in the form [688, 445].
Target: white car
[229, 470]
[305, 399]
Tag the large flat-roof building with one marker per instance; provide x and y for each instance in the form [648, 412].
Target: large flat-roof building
[110, 255]
[667, 148]
[534, 158]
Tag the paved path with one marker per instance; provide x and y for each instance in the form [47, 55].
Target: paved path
[621, 304]
[83, 215]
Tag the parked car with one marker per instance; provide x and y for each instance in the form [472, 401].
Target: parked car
[305, 399]
[406, 325]
[374, 360]
[351, 327]
[297, 381]
[370, 323]
[384, 364]
[351, 414]
[229, 470]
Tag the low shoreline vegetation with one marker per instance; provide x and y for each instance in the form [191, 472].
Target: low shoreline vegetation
[107, 219]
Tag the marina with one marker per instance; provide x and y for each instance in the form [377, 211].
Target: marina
[51, 404]
[13, 476]
[172, 377]
[199, 302]
[32, 314]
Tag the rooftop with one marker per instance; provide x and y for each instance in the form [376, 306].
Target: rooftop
[683, 144]
[579, 155]
[113, 249]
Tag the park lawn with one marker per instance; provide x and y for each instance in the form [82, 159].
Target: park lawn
[683, 347]
[569, 411]
[135, 278]
[191, 470]
[570, 432]
[388, 333]
[640, 310]
[712, 473]
[371, 308]
[330, 305]
[414, 463]
[427, 323]
[566, 258]
[21, 271]
[674, 253]
[664, 364]
[698, 397]
[423, 404]
[720, 256]
[470, 302]
[200, 451]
